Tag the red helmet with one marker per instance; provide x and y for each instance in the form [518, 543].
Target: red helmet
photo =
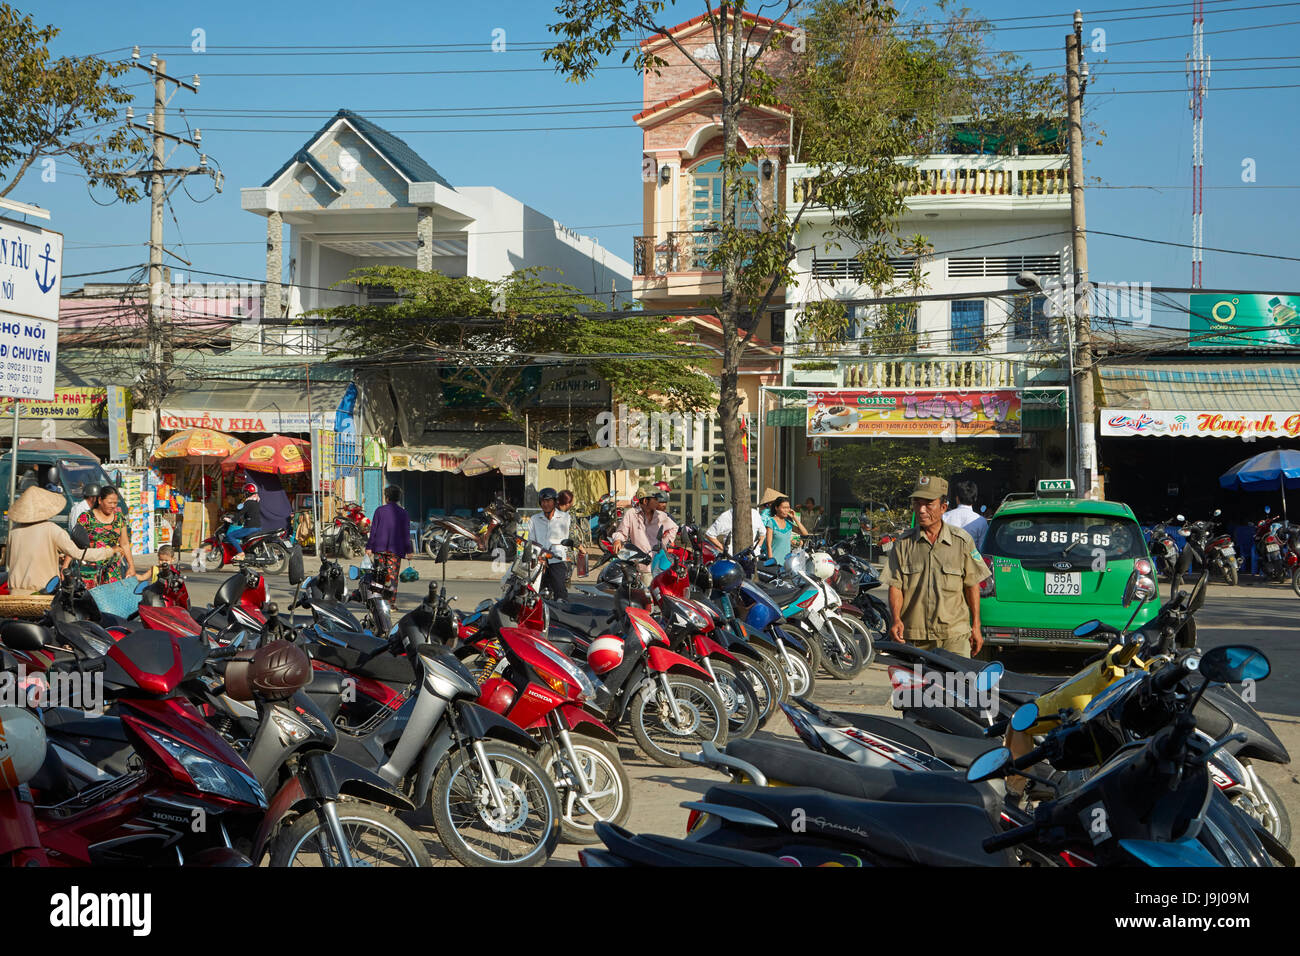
[664, 486]
[605, 653]
[250, 489]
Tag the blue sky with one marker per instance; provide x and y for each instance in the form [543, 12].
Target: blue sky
[590, 178]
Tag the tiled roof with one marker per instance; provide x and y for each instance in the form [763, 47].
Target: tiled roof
[691, 94]
[745, 15]
[389, 146]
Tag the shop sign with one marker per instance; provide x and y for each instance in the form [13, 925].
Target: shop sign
[1254, 320]
[67, 403]
[1128, 422]
[174, 419]
[427, 460]
[926, 413]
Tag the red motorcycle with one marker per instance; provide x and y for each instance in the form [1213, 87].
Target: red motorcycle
[265, 549]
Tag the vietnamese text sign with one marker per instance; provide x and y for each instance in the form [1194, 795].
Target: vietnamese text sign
[31, 267]
[174, 419]
[76, 402]
[928, 413]
[28, 349]
[119, 444]
[1255, 320]
[1199, 424]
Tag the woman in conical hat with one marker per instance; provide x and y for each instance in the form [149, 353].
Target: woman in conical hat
[39, 548]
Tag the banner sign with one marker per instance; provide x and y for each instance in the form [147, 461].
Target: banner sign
[1253, 320]
[174, 419]
[67, 403]
[927, 413]
[1203, 424]
[31, 270]
[119, 443]
[427, 459]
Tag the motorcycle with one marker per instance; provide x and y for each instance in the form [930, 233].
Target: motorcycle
[1164, 549]
[264, 549]
[494, 538]
[347, 534]
[1214, 550]
[1274, 562]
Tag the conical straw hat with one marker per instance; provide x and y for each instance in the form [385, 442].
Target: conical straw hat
[36, 504]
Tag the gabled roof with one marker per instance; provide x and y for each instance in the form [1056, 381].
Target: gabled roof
[699, 92]
[694, 22]
[404, 159]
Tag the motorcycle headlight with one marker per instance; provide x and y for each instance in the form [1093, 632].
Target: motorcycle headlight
[213, 776]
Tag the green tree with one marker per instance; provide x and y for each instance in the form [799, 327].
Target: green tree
[863, 92]
[51, 108]
[484, 336]
[883, 471]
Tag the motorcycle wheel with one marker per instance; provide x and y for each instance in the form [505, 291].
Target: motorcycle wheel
[375, 838]
[700, 716]
[800, 675]
[772, 673]
[866, 640]
[212, 557]
[611, 797]
[841, 653]
[1277, 821]
[271, 557]
[739, 698]
[349, 547]
[1295, 581]
[1230, 574]
[431, 543]
[462, 805]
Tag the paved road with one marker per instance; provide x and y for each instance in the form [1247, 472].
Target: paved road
[1260, 615]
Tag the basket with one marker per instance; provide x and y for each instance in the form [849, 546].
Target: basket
[25, 607]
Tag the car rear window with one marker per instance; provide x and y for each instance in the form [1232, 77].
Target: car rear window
[1071, 536]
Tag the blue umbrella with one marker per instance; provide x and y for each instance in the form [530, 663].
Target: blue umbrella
[1279, 468]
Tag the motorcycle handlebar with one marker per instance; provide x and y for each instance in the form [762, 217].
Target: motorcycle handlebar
[1010, 838]
[1168, 677]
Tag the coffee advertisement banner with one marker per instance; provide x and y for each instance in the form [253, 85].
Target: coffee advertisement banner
[922, 413]
[1155, 423]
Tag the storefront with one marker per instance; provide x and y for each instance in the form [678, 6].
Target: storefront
[428, 475]
[1170, 427]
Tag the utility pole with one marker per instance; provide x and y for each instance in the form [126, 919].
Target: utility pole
[1089, 479]
[158, 321]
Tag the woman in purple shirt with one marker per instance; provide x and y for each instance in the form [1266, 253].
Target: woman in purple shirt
[390, 535]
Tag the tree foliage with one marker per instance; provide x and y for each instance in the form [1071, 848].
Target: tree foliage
[484, 336]
[50, 108]
[883, 471]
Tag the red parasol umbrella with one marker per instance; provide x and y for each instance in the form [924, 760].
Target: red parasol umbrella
[276, 455]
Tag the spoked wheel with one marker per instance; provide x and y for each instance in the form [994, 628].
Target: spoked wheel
[841, 653]
[800, 673]
[866, 640]
[771, 674]
[610, 796]
[662, 731]
[1230, 575]
[522, 832]
[1295, 581]
[431, 545]
[272, 556]
[375, 838]
[211, 557]
[1274, 819]
[744, 709]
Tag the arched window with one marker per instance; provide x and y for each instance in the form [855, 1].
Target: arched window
[706, 208]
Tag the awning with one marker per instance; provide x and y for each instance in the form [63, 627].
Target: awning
[1201, 399]
[1044, 409]
[245, 407]
[447, 454]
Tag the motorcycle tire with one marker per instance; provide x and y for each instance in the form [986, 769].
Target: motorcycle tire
[1295, 581]
[1230, 574]
[391, 842]
[700, 716]
[212, 558]
[739, 698]
[600, 764]
[271, 557]
[841, 653]
[772, 673]
[1278, 823]
[866, 640]
[800, 675]
[350, 544]
[430, 545]
[527, 838]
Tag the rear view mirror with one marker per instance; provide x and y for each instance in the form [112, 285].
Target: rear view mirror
[1180, 517]
[141, 586]
[296, 570]
[52, 586]
[353, 572]
[1234, 663]
[988, 765]
[1026, 716]
[1083, 630]
[988, 678]
[1217, 512]
[444, 550]
[1268, 509]
[80, 537]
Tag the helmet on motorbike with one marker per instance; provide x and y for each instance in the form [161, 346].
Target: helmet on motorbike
[24, 746]
[796, 562]
[605, 653]
[547, 493]
[727, 575]
[822, 566]
[250, 489]
[90, 490]
[611, 578]
[275, 671]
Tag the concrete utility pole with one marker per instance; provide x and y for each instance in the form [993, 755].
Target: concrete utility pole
[158, 320]
[1088, 479]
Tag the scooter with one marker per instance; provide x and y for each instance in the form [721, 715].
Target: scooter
[1215, 550]
[264, 549]
[1164, 550]
[494, 538]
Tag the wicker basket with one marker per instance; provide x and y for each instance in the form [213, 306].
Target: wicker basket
[25, 607]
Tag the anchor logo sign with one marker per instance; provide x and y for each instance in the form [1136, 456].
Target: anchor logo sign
[45, 282]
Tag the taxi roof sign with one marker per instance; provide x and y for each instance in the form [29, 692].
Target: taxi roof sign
[1056, 486]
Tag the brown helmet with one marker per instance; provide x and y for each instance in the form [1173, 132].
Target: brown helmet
[274, 671]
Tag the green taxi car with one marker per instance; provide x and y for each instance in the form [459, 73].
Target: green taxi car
[1058, 562]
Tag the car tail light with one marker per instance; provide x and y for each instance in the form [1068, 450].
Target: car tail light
[988, 587]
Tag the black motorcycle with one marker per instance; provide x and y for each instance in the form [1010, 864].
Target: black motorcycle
[1213, 550]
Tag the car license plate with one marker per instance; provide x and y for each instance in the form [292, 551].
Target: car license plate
[1065, 583]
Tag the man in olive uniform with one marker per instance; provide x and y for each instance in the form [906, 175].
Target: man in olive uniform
[933, 575]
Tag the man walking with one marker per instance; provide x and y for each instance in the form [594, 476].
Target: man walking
[641, 525]
[933, 575]
[548, 528]
[965, 516]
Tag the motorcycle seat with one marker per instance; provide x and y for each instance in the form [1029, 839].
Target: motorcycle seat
[581, 618]
[394, 671]
[652, 850]
[952, 749]
[783, 594]
[259, 535]
[800, 767]
[921, 834]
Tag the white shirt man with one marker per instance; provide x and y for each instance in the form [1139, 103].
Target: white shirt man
[970, 521]
[80, 508]
[720, 531]
[549, 532]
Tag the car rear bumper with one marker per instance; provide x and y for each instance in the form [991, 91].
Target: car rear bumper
[1036, 637]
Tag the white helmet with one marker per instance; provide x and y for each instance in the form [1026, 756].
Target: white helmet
[822, 566]
[22, 747]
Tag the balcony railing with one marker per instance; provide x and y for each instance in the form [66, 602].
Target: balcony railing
[923, 373]
[964, 176]
[681, 251]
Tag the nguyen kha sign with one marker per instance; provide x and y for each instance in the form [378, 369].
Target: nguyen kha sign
[925, 413]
